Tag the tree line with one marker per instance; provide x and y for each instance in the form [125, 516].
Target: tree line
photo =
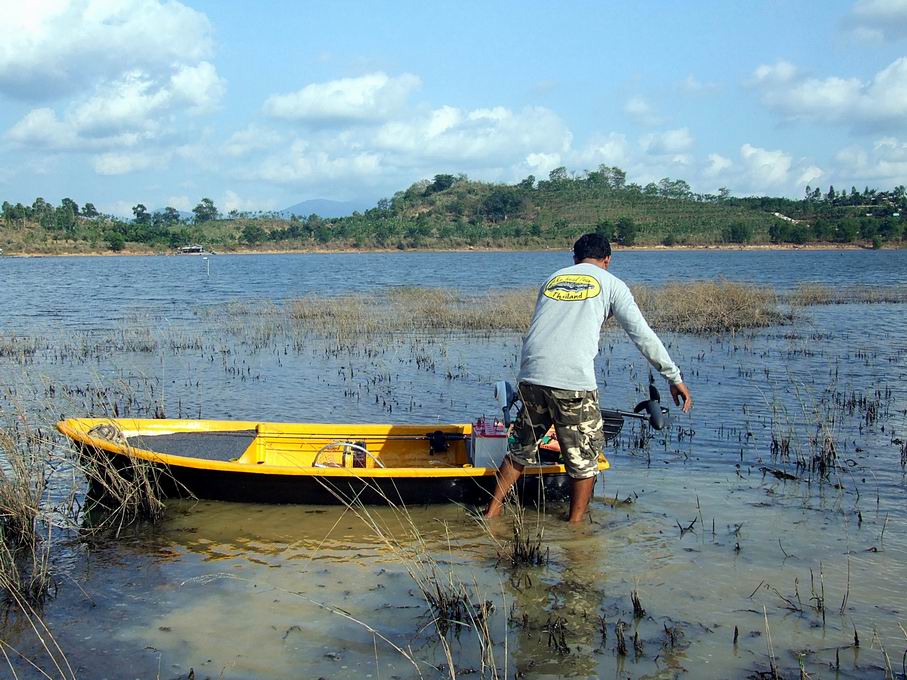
[451, 210]
[70, 221]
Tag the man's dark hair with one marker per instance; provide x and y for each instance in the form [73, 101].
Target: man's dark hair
[594, 246]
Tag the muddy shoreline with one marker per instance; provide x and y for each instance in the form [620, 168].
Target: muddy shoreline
[476, 249]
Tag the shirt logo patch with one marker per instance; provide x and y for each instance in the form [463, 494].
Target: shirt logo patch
[572, 287]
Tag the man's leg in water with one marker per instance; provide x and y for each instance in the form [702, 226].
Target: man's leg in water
[580, 494]
[507, 476]
[532, 422]
[579, 427]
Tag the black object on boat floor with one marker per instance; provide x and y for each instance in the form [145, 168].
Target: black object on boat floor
[224, 446]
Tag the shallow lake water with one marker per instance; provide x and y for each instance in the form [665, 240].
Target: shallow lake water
[694, 520]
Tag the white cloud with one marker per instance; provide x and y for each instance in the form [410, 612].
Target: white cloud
[891, 148]
[123, 106]
[881, 101]
[779, 72]
[126, 74]
[369, 98]
[301, 164]
[52, 48]
[541, 164]
[765, 169]
[41, 128]
[883, 163]
[717, 165]
[251, 139]
[119, 208]
[810, 175]
[45, 164]
[756, 171]
[198, 86]
[692, 85]
[612, 149]
[119, 113]
[544, 87]
[481, 137]
[667, 143]
[879, 20]
[183, 203]
[122, 163]
[495, 144]
[641, 112]
[232, 201]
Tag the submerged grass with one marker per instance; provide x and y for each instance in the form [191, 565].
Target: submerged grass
[52, 652]
[455, 606]
[818, 294]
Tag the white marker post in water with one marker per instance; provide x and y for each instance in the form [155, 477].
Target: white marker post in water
[207, 265]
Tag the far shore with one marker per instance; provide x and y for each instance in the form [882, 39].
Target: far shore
[466, 249]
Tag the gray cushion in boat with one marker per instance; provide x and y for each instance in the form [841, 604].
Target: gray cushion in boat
[223, 446]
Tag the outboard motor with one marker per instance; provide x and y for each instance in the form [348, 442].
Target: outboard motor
[506, 397]
[656, 413]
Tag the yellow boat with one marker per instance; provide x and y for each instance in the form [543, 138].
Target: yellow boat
[318, 463]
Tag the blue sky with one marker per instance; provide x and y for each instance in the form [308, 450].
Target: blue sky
[120, 102]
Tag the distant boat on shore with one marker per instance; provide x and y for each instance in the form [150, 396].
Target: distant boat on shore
[194, 250]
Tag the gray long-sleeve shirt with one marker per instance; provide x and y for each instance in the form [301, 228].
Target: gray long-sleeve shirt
[559, 349]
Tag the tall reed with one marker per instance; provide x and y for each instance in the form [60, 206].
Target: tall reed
[122, 490]
[25, 570]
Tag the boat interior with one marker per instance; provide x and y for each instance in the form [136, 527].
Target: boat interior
[286, 445]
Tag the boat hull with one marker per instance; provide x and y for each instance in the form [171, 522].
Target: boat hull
[239, 487]
[287, 463]
[317, 490]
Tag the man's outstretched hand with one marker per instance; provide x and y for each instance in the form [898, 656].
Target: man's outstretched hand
[680, 392]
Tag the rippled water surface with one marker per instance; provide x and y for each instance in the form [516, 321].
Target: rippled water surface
[695, 520]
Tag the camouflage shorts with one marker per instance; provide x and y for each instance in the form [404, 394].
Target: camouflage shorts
[577, 423]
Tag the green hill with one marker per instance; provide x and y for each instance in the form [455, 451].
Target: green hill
[453, 211]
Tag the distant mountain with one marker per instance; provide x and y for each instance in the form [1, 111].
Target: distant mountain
[184, 214]
[324, 207]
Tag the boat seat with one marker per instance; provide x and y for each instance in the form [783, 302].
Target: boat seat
[352, 454]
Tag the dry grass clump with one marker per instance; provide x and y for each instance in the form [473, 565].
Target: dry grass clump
[709, 306]
[121, 490]
[24, 552]
[819, 294]
[413, 309]
[343, 315]
[810, 294]
[695, 307]
[691, 307]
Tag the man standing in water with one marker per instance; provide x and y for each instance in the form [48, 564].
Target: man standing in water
[557, 370]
